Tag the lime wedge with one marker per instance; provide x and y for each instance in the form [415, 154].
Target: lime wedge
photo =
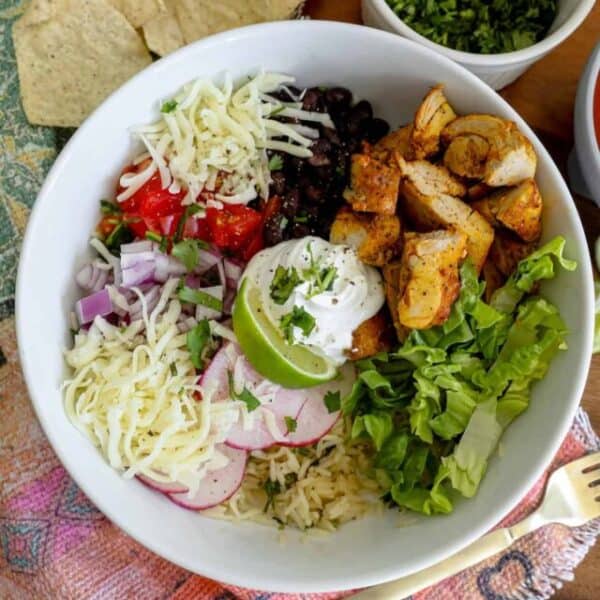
[267, 351]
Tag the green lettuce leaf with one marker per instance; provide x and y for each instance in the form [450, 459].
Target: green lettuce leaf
[467, 464]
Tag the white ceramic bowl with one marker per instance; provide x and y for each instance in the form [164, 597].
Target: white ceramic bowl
[586, 138]
[497, 70]
[394, 74]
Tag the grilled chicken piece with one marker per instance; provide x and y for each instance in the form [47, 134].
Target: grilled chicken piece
[431, 117]
[372, 336]
[395, 142]
[511, 157]
[394, 287]
[518, 208]
[466, 156]
[478, 191]
[430, 209]
[507, 250]
[376, 238]
[430, 269]
[429, 178]
[493, 279]
[373, 185]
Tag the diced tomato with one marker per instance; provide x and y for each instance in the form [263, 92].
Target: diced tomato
[272, 206]
[233, 226]
[255, 244]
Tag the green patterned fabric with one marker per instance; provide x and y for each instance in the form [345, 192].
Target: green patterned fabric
[26, 154]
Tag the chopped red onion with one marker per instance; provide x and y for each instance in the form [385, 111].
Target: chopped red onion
[207, 260]
[167, 266]
[92, 278]
[228, 300]
[138, 273]
[152, 296]
[90, 307]
[205, 312]
[233, 270]
[137, 247]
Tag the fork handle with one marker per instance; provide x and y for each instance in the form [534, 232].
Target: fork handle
[488, 545]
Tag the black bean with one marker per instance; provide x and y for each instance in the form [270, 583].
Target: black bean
[337, 96]
[319, 159]
[313, 100]
[300, 230]
[332, 136]
[358, 116]
[362, 110]
[314, 193]
[294, 167]
[274, 227]
[375, 129]
[278, 183]
[291, 202]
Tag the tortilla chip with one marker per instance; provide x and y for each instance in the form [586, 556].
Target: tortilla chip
[70, 62]
[199, 18]
[191, 20]
[163, 34]
[139, 12]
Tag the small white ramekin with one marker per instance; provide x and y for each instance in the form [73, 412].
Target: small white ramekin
[586, 138]
[497, 70]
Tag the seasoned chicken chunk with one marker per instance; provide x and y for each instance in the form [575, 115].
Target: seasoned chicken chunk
[430, 179]
[518, 208]
[511, 157]
[395, 142]
[373, 185]
[394, 286]
[375, 237]
[372, 336]
[507, 250]
[431, 117]
[430, 269]
[466, 156]
[430, 209]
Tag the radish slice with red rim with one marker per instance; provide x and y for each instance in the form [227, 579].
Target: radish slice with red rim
[159, 486]
[216, 486]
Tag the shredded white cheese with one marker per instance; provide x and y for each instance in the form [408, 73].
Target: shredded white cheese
[133, 393]
[214, 138]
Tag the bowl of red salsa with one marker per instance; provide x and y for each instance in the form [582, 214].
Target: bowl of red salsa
[587, 127]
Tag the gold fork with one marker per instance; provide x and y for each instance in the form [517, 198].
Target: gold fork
[572, 498]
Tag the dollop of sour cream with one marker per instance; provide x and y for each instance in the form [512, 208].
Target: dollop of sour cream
[332, 285]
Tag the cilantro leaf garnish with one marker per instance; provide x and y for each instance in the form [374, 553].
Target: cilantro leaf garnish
[109, 208]
[321, 278]
[245, 396]
[197, 340]
[187, 251]
[284, 282]
[169, 106]
[194, 296]
[291, 424]
[297, 318]
[275, 163]
[332, 401]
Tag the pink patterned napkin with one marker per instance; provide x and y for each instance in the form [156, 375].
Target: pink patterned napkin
[55, 544]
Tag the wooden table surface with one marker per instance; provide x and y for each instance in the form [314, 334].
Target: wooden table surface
[544, 96]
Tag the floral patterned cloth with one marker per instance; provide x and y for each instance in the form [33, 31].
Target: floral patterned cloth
[54, 544]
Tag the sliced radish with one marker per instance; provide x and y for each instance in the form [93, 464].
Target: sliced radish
[166, 488]
[216, 486]
[315, 420]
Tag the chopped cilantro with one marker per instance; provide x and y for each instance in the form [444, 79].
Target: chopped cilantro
[479, 26]
[245, 396]
[272, 488]
[297, 318]
[321, 278]
[169, 106]
[187, 251]
[283, 284]
[332, 401]
[198, 340]
[121, 234]
[291, 424]
[193, 296]
[109, 208]
[275, 163]
[190, 210]
[301, 218]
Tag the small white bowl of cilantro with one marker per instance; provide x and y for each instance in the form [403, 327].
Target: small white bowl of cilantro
[497, 41]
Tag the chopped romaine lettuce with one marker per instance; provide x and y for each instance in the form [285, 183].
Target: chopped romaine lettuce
[435, 408]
